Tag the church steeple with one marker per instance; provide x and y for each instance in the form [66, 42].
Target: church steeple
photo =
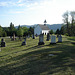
[45, 22]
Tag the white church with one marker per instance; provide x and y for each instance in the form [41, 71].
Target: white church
[41, 29]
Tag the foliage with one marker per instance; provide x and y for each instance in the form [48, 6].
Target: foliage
[20, 32]
[57, 31]
[1, 31]
[69, 21]
[51, 31]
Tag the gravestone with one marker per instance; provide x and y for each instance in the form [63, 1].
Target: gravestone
[24, 42]
[48, 37]
[33, 36]
[53, 39]
[41, 39]
[3, 44]
[59, 38]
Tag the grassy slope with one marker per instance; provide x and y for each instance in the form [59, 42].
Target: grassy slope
[35, 60]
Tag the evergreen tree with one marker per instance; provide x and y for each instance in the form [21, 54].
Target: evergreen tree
[1, 31]
[51, 31]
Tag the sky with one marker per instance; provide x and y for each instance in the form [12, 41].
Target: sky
[30, 12]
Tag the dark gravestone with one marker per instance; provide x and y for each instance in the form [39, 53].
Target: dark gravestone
[59, 39]
[3, 44]
[41, 39]
[48, 37]
[24, 42]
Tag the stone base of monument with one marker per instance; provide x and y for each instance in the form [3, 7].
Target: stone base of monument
[47, 39]
[41, 43]
[52, 43]
[33, 37]
[23, 43]
[59, 42]
[3, 44]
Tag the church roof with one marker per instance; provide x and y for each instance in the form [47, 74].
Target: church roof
[44, 27]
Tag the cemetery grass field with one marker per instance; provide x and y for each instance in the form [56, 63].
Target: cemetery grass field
[32, 59]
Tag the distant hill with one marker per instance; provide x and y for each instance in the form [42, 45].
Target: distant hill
[54, 27]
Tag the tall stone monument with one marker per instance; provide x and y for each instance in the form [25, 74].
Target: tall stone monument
[53, 39]
[41, 39]
[48, 37]
[33, 36]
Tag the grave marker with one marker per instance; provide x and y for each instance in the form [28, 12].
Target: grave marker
[53, 39]
[48, 37]
[59, 38]
[24, 42]
[3, 44]
[41, 39]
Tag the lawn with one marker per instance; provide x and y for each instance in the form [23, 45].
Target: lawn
[32, 59]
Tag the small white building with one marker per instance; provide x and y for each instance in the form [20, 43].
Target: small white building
[41, 29]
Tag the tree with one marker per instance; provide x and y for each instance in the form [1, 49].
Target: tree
[4, 34]
[20, 33]
[12, 29]
[31, 29]
[51, 31]
[72, 13]
[62, 30]
[57, 31]
[1, 31]
[66, 20]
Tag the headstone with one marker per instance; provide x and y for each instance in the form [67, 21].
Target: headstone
[33, 36]
[41, 39]
[48, 37]
[24, 42]
[59, 38]
[53, 39]
[3, 44]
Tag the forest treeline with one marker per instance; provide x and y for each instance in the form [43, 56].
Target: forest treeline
[20, 31]
[68, 27]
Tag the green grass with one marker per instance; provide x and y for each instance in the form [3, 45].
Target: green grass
[32, 59]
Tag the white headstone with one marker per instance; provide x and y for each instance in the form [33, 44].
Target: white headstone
[53, 39]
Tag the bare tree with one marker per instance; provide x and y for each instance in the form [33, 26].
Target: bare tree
[72, 13]
[66, 20]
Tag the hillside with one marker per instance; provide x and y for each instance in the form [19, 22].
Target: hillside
[32, 59]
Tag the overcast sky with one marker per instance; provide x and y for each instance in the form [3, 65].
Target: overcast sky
[29, 12]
